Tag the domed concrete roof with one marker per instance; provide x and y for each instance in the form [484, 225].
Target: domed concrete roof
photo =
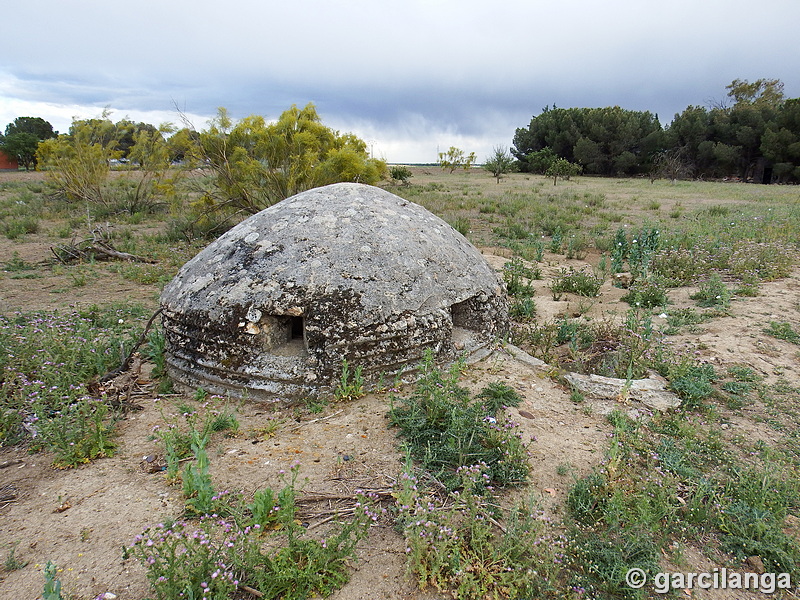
[347, 259]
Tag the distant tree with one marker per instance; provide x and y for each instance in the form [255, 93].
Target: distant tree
[605, 141]
[37, 126]
[500, 162]
[256, 164]
[125, 133]
[152, 155]
[455, 158]
[22, 146]
[780, 143]
[670, 164]
[181, 144]
[562, 168]
[79, 163]
[539, 161]
[760, 93]
[400, 173]
[22, 138]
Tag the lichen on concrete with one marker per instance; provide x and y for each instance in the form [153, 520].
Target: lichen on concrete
[351, 272]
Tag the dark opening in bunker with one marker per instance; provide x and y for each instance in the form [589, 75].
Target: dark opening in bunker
[463, 315]
[294, 337]
[466, 324]
[297, 328]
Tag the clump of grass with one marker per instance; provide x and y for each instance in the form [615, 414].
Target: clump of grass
[186, 425]
[518, 277]
[461, 224]
[577, 247]
[680, 266]
[351, 385]
[523, 309]
[460, 549]
[681, 317]
[626, 513]
[445, 429]
[712, 293]
[692, 382]
[77, 434]
[582, 283]
[16, 263]
[17, 227]
[783, 331]
[649, 292]
[12, 562]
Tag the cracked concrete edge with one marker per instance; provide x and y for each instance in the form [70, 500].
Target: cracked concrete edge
[651, 392]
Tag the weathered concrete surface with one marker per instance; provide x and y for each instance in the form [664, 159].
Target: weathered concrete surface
[347, 271]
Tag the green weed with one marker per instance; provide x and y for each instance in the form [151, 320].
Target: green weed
[518, 277]
[78, 433]
[459, 548]
[681, 317]
[17, 227]
[52, 585]
[712, 293]
[649, 292]
[445, 429]
[523, 309]
[351, 386]
[582, 283]
[783, 331]
[215, 556]
[188, 427]
[16, 263]
[12, 562]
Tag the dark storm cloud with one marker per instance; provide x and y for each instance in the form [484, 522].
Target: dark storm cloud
[412, 76]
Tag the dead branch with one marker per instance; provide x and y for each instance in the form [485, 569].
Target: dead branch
[98, 247]
[8, 493]
[127, 362]
[304, 423]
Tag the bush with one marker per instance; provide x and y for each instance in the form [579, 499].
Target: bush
[580, 282]
[400, 173]
[712, 293]
[212, 558]
[445, 429]
[646, 293]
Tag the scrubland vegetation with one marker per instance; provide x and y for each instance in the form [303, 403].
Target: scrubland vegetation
[664, 483]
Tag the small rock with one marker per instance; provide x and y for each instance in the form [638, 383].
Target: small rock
[754, 564]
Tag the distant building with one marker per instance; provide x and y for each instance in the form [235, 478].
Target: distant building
[8, 163]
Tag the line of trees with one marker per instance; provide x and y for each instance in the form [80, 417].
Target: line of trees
[754, 135]
[252, 163]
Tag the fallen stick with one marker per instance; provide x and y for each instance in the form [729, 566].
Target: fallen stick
[249, 590]
[315, 420]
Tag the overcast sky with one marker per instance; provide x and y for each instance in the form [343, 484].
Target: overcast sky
[409, 77]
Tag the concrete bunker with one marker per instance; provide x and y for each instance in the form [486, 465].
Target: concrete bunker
[351, 272]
